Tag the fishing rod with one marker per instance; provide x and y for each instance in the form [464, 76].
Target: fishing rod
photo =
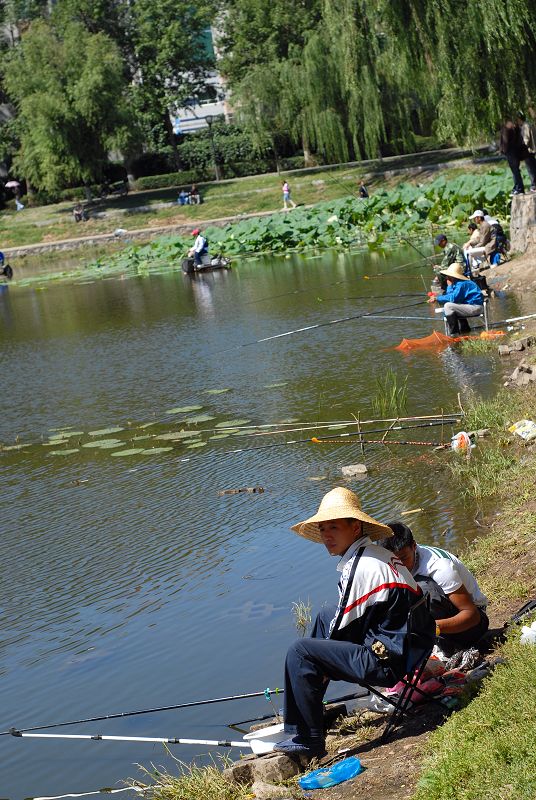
[237, 450]
[322, 325]
[266, 694]
[330, 285]
[148, 739]
[420, 252]
[378, 441]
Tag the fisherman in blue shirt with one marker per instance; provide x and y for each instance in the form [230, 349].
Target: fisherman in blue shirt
[462, 299]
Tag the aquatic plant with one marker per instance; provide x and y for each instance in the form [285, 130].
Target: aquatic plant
[391, 398]
[302, 616]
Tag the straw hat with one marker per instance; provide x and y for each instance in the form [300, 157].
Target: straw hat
[455, 271]
[340, 503]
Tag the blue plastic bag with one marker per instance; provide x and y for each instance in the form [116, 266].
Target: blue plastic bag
[331, 776]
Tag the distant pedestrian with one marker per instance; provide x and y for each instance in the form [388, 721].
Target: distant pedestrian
[515, 151]
[286, 196]
[363, 191]
[528, 140]
[195, 197]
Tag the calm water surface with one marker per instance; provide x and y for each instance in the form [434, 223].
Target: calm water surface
[127, 582]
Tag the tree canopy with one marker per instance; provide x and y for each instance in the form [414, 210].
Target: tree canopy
[350, 77]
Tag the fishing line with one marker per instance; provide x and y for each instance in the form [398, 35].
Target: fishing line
[330, 285]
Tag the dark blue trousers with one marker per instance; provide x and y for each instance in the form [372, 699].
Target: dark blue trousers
[313, 662]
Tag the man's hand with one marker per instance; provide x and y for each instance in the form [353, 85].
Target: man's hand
[468, 614]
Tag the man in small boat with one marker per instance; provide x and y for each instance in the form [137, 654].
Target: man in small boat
[457, 603]
[200, 247]
[363, 638]
[462, 299]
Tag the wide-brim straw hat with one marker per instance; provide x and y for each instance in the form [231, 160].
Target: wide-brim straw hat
[341, 503]
[455, 271]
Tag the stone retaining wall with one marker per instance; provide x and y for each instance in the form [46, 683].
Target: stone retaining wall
[523, 222]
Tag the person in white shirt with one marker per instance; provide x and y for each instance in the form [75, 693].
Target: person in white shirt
[199, 248]
[457, 603]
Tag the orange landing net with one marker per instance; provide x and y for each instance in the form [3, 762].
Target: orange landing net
[439, 340]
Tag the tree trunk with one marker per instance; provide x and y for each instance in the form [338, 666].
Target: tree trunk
[172, 140]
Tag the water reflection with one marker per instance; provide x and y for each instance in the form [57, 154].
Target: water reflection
[131, 582]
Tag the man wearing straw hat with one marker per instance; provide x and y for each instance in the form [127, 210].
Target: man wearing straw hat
[366, 638]
[462, 299]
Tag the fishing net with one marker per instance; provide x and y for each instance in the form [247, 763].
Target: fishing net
[434, 340]
[438, 340]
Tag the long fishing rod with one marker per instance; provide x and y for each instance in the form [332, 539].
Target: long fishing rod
[266, 694]
[420, 252]
[322, 325]
[378, 441]
[150, 739]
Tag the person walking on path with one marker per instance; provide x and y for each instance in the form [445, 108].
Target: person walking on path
[365, 638]
[286, 196]
[514, 149]
[528, 154]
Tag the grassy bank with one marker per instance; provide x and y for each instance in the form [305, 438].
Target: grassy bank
[487, 749]
[250, 195]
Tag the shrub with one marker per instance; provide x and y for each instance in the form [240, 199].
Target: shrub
[170, 179]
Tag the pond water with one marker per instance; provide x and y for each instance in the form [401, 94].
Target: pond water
[127, 581]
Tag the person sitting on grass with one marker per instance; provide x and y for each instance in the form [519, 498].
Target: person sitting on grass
[456, 600]
[363, 638]
[462, 299]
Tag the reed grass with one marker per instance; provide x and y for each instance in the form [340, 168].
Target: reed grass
[391, 398]
[302, 616]
[191, 783]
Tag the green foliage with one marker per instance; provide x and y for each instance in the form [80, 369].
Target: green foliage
[231, 145]
[193, 782]
[355, 76]
[391, 397]
[487, 749]
[170, 179]
[69, 91]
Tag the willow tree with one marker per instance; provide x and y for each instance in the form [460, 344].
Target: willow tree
[371, 68]
[480, 57]
[69, 93]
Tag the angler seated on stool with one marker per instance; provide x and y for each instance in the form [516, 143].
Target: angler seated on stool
[462, 299]
[365, 638]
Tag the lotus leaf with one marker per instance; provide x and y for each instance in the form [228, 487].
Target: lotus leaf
[103, 431]
[154, 450]
[233, 423]
[132, 452]
[183, 409]
[64, 452]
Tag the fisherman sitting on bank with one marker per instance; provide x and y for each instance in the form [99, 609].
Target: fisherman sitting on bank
[462, 299]
[456, 600]
[199, 248]
[452, 254]
[365, 637]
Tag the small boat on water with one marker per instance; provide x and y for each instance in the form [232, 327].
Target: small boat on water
[209, 264]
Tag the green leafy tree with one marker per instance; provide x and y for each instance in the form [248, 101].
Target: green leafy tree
[68, 90]
[171, 60]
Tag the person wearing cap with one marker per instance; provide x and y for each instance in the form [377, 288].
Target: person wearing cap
[462, 299]
[365, 637]
[457, 603]
[452, 254]
[199, 248]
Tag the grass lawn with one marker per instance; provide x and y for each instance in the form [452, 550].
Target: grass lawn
[256, 193]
